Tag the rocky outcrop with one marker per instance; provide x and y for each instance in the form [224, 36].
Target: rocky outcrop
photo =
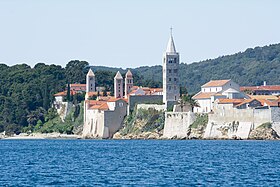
[142, 124]
[144, 135]
[263, 134]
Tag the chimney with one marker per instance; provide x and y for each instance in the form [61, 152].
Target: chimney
[264, 83]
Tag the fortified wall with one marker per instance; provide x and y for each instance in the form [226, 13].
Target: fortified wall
[143, 99]
[238, 122]
[177, 124]
[153, 106]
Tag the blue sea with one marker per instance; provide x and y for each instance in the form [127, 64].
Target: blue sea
[139, 163]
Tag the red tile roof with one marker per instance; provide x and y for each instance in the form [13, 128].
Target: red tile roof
[203, 95]
[214, 83]
[265, 88]
[267, 97]
[228, 101]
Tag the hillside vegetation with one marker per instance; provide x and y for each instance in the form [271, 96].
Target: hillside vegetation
[26, 93]
[249, 68]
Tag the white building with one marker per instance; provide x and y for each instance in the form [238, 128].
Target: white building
[104, 117]
[216, 89]
[171, 83]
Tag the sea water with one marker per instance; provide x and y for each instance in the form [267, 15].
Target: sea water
[139, 163]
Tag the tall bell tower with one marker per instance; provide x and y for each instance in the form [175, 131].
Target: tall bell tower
[128, 82]
[90, 86]
[171, 82]
[118, 85]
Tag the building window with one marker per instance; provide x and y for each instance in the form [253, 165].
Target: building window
[175, 70]
[169, 71]
[90, 78]
[169, 79]
[175, 79]
[170, 61]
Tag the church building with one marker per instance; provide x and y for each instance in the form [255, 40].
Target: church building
[171, 82]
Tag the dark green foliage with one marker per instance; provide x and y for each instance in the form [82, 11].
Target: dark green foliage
[72, 120]
[265, 125]
[25, 92]
[142, 120]
[76, 71]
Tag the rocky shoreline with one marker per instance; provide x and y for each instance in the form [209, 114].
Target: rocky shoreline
[22, 136]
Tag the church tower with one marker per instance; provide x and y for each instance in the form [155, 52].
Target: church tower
[118, 85]
[128, 82]
[171, 84]
[90, 81]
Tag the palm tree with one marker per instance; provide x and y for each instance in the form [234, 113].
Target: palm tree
[188, 99]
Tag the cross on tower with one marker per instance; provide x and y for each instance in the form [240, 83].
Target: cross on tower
[171, 30]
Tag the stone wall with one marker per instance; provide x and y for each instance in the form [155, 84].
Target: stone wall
[113, 120]
[234, 122]
[103, 124]
[177, 124]
[153, 106]
[143, 99]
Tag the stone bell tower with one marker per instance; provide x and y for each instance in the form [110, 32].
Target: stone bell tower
[171, 82]
[90, 82]
[128, 82]
[118, 85]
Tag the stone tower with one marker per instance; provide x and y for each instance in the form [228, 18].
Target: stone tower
[171, 84]
[90, 81]
[128, 82]
[118, 85]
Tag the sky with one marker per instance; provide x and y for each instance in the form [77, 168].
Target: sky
[127, 34]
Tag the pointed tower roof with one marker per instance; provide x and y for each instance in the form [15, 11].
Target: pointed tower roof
[128, 74]
[171, 46]
[118, 75]
[90, 72]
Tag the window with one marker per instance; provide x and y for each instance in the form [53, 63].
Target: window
[175, 70]
[170, 61]
[175, 79]
[169, 87]
[175, 60]
[169, 79]
[90, 78]
[169, 71]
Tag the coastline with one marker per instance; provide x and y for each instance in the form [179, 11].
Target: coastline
[38, 136]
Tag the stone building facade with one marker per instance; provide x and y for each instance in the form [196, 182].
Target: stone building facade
[170, 70]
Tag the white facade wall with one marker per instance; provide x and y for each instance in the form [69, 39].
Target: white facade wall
[205, 106]
[177, 124]
[103, 124]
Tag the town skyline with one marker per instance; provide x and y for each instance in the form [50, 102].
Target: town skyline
[111, 34]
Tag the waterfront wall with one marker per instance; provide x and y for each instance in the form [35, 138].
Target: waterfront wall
[238, 123]
[177, 124]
